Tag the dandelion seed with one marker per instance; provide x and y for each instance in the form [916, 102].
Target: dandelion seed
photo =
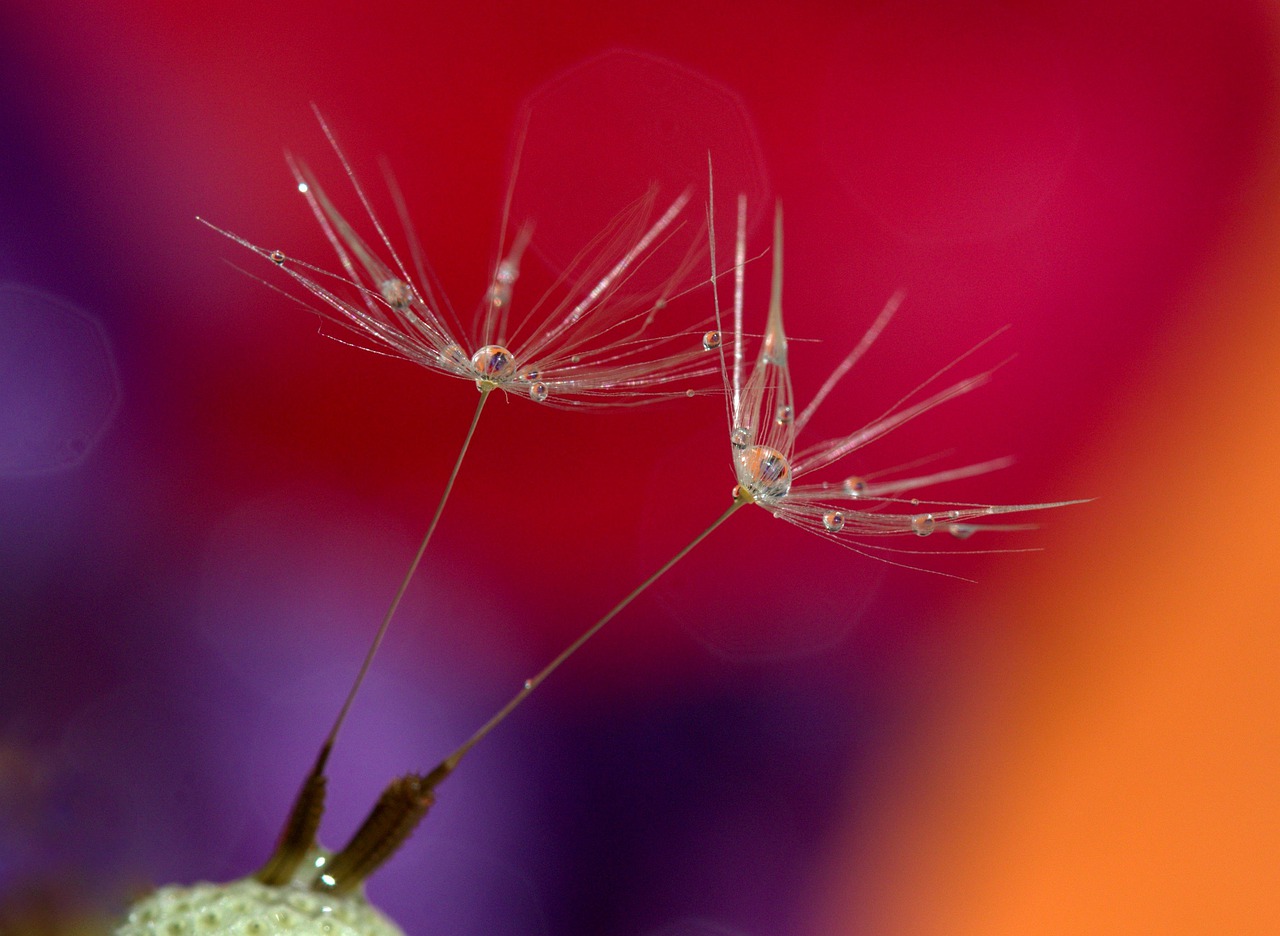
[766, 465]
[770, 471]
[591, 340]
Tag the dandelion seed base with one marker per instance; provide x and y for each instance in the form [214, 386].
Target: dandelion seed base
[248, 908]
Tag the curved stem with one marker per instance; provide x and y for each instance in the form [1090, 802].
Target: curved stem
[404, 586]
[448, 764]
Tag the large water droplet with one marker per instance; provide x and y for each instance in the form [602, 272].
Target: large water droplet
[493, 363]
[764, 472]
[833, 521]
[538, 392]
[922, 524]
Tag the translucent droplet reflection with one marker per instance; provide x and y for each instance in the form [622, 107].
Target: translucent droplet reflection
[740, 437]
[833, 521]
[923, 524]
[764, 472]
[277, 257]
[397, 293]
[493, 363]
[538, 392]
[855, 486]
[711, 340]
[783, 414]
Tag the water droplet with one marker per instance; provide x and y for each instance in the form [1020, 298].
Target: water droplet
[740, 437]
[576, 359]
[774, 349]
[303, 188]
[397, 293]
[277, 257]
[922, 524]
[493, 363]
[962, 531]
[764, 472]
[783, 414]
[854, 486]
[538, 392]
[691, 393]
[507, 272]
[528, 685]
[499, 295]
[833, 521]
[530, 375]
[711, 340]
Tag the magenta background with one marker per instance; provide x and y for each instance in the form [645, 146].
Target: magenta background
[181, 612]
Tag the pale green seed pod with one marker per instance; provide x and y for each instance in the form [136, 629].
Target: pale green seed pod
[249, 908]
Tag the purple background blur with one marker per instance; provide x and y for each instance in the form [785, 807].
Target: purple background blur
[185, 595]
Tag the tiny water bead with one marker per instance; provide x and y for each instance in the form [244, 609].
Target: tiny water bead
[923, 524]
[538, 392]
[493, 364]
[740, 437]
[783, 414]
[277, 257]
[833, 521]
[397, 293]
[854, 486]
[711, 340]
[764, 472]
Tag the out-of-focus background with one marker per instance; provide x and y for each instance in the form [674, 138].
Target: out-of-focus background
[205, 505]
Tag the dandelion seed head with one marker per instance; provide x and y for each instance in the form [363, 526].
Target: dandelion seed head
[599, 335]
[764, 427]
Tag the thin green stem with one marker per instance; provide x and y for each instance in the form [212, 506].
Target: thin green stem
[448, 764]
[404, 585]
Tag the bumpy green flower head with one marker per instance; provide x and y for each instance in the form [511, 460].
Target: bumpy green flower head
[250, 908]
